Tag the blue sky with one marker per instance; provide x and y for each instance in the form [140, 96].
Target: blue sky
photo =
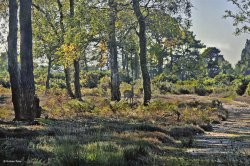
[213, 30]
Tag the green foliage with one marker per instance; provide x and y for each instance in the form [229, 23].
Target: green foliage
[185, 90]
[164, 78]
[224, 79]
[80, 106]
[241, 87]
[201, 90]
[121, 106]
[165, 87]
[100, 153]
[135, 155]
[91, 79]
[248, 90]
[68, 153]
[160, 105]
[125, 78]
[4, 75]
[240, 17]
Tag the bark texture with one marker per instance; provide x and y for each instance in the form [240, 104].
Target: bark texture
[12, 58]
[28, 111]
[143, 51]
[115, 80]
[48, 73]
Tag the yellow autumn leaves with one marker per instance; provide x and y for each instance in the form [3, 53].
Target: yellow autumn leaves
[67, 53]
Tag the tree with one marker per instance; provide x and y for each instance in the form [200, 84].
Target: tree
[241, 18]
[215, 63]
[187, 61]
[78, 94]
[143, 51]
[66, 68]
[243, 66]
[12, 58]
[45, 34]
[115, 82]
[28, 99]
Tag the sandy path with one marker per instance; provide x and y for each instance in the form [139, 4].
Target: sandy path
[227, 136]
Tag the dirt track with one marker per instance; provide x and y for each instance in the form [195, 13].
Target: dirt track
[227, 136]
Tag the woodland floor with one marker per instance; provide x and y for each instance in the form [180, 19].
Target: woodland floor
[227, 144]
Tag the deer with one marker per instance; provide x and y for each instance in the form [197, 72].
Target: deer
[129, 94]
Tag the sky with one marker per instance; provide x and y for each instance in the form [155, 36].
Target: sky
[215, 31]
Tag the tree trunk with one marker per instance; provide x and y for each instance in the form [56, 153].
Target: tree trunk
[115, 81]
[132, 65]
[78, 94]
[171, 60]
[67, 79]
[143, 52]
[48, 73]
[160, 64]
[123, 60]
[66, 69]
[28, 111]
[126, 62]
[159, 59]
[85, 61]
[12, 58]
[137, 66]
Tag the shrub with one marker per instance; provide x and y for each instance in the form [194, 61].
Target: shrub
[92, 78]
[241, 87]
[185, 90]
[125, 78]
[186, 131]
[209, 81]
[160, 105]
[201, 90]
[120, 106]
[135, 155]
[104, 86]
[224, 79]
[248, 90]
[68, 153]
[165, 78]
[165, 87]
[5, 83]
[81, 106]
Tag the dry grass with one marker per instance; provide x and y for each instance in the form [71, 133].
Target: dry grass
[99, 132]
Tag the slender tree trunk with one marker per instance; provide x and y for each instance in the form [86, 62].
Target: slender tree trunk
[160, 64]
[48, 73]
[115, 81]
[126, 62]
[77, 85]
[171, 60]
[143, 52]
[12, 58]
[85, 61]
[28, 111]
[78, 94]
[67, 79]
[66, 69]
[159, 59]
[132, 65]
[123, 60]
[137, 66]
